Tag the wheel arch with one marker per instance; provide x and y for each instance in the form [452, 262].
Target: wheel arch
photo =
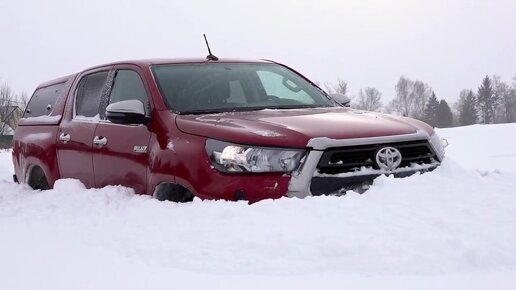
[33, 166]
[35, 176]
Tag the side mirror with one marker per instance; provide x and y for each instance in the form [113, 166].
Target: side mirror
[127, 112]
[341, 99]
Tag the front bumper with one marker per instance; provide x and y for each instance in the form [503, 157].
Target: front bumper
[360, 180]
[307, 181]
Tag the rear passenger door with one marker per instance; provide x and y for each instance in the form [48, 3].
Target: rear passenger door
[77, 129]
[120, 157]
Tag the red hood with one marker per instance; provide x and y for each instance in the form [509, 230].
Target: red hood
[294, 128]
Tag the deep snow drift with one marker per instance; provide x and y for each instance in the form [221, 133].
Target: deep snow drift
[452, 228]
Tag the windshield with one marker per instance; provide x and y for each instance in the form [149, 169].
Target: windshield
[224, 87]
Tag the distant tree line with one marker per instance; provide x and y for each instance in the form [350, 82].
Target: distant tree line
[493, 102]
[8, 99]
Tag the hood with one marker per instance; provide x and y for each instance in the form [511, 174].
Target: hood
[294, 128]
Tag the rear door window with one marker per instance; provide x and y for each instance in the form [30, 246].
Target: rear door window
[43, 101]
[88, 95]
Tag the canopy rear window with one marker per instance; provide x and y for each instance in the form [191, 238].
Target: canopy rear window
[43, 101]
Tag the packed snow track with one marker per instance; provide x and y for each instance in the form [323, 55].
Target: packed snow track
[453, 228]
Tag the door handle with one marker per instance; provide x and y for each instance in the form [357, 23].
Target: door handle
[64, 137]
[100, 141]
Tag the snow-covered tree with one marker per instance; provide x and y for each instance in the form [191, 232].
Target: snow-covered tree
[402, 103]
[431, 109]
[7, 96]
[11, 108]
[486, 101]
[411, 98]
[341, 87]
[444, 115]
[369, 99]
[506, 96]
[467, 108]
[420, 94]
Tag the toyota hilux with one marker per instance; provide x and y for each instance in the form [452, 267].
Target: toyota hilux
[212, 128]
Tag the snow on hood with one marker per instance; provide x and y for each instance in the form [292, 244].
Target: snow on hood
[296, 127]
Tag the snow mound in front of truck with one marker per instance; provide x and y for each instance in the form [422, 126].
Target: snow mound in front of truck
[451, 228]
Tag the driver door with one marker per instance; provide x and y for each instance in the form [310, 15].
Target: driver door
[120, 152]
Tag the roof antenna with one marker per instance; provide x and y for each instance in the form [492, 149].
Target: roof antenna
[210, 56]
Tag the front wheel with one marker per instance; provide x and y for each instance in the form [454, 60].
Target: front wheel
[172, 192]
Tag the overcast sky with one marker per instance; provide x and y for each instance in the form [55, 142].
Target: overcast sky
[450, 45]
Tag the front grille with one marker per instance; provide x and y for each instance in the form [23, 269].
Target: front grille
[351, 158]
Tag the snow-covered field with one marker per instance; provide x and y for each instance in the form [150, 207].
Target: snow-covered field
[453, 228]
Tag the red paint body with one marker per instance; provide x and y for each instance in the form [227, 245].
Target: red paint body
[36, 141]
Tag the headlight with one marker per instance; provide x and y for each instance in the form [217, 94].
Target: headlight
[438, 145]
[228, 157]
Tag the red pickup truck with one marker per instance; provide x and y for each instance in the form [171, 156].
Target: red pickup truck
[216, 129]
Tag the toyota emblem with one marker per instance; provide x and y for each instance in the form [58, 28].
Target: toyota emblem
[388, 158]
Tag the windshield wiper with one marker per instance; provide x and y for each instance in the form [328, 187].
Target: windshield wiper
[206, 111]
[244, 109]
[286, 107]
[220, 110]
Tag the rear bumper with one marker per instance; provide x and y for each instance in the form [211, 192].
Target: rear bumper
[307, 181]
